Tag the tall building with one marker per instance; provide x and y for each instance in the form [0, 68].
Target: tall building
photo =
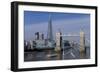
[50, 34]
[41, 36]
[37, 36]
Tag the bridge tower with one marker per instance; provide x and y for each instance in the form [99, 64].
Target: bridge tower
[82, 44]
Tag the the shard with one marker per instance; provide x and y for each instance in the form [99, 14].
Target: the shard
[50, 34]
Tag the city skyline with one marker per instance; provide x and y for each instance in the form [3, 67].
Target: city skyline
[66, 22]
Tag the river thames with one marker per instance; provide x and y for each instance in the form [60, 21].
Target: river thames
[44, 55]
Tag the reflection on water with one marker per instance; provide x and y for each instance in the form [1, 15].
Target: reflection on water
[45, 55]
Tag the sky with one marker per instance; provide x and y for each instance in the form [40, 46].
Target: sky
[66, 22]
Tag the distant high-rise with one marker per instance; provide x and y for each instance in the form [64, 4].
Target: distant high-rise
[37, 36]
[42, 35]
[50, 34]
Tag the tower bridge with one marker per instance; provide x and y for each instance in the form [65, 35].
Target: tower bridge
[59, 42]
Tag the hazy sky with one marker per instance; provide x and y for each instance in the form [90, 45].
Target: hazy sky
[66, 22]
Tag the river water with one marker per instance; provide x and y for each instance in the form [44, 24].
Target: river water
[45, 55]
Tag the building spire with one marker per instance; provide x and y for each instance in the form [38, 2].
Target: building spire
[50, 34]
